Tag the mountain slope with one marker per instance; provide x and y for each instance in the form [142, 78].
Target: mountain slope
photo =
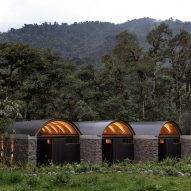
[84, 42]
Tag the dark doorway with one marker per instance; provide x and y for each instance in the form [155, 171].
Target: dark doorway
[169, 147]
[44, 151]
[58, 150]
[65, 150]
[117, 149]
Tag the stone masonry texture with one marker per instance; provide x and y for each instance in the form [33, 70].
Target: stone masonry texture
[32, 151]
[185, 145]
[91, 150]
[145, 148]
[24, 149]
[20, 151]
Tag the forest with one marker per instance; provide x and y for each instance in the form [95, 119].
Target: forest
[85, 42]
[132, 82]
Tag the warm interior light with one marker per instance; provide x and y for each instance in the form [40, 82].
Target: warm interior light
[12, 150]
[108, 141]
[161, 141]
[117, 129]
[2, 149]
[49, 141]
[58, 128]
[169, 129]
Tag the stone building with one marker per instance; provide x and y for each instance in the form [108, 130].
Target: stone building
[43, 141]
[60, 141]
[108, 141]
[155, 141]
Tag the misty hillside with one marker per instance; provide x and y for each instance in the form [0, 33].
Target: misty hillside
[87, 41]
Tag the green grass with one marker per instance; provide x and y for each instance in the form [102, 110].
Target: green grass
[104, 182]
[169, 175]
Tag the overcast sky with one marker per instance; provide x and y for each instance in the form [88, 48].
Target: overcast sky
[16, 13]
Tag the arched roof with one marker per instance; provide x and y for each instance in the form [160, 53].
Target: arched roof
[44, 127]
[159, 128]
[107, 128]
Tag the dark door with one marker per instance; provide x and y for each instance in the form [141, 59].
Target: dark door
[118, 150]
[169, 147]
[64, 152]
[44, 151]
[123, 148]
[107, 150]
[162, 149]
[173, 148]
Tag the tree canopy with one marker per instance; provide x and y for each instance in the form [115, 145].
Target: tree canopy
[133, 83]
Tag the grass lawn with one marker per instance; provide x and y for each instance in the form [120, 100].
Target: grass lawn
[101, 182]
[168, 175]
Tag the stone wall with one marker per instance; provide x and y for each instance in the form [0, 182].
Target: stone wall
[21, 149]
[90, 148]
[32, 150]
[185, 145]
[145, 148]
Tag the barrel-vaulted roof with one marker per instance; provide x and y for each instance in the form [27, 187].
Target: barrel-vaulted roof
[44, 127]
[159, 128]
[110, 127]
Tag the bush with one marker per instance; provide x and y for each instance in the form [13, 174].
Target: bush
[62, 179]
[82, 167]
[13, 177]
[32, 181]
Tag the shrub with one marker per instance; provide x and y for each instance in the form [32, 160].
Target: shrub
[13, 177]
[62, 178]
[32, 181]
[82, 167]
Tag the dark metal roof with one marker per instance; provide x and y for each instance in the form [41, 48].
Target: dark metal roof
[96, 127]
[30, 127]
[150, 128]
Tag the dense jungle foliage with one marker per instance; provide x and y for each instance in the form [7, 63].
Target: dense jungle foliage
[133, 83]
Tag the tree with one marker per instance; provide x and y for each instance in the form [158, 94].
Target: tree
[9, 112]
[26, 73]
[158, 40]
[126, 65]
[179, 54]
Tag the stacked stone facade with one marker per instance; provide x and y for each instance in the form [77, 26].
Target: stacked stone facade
[185, 145]
[21, 149]
[91, 148]
[32, 151]
[145, 148]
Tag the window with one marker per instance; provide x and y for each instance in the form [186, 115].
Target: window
[108, 141]
[161, 141]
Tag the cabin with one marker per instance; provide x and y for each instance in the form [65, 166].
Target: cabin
[163, 138]
[57, 141]
[44, 141]
[109, 141]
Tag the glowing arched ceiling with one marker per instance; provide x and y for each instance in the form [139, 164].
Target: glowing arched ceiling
[170, 129]
[118, 129]
[58, 127]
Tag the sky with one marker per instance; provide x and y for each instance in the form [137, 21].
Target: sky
[16, 13]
